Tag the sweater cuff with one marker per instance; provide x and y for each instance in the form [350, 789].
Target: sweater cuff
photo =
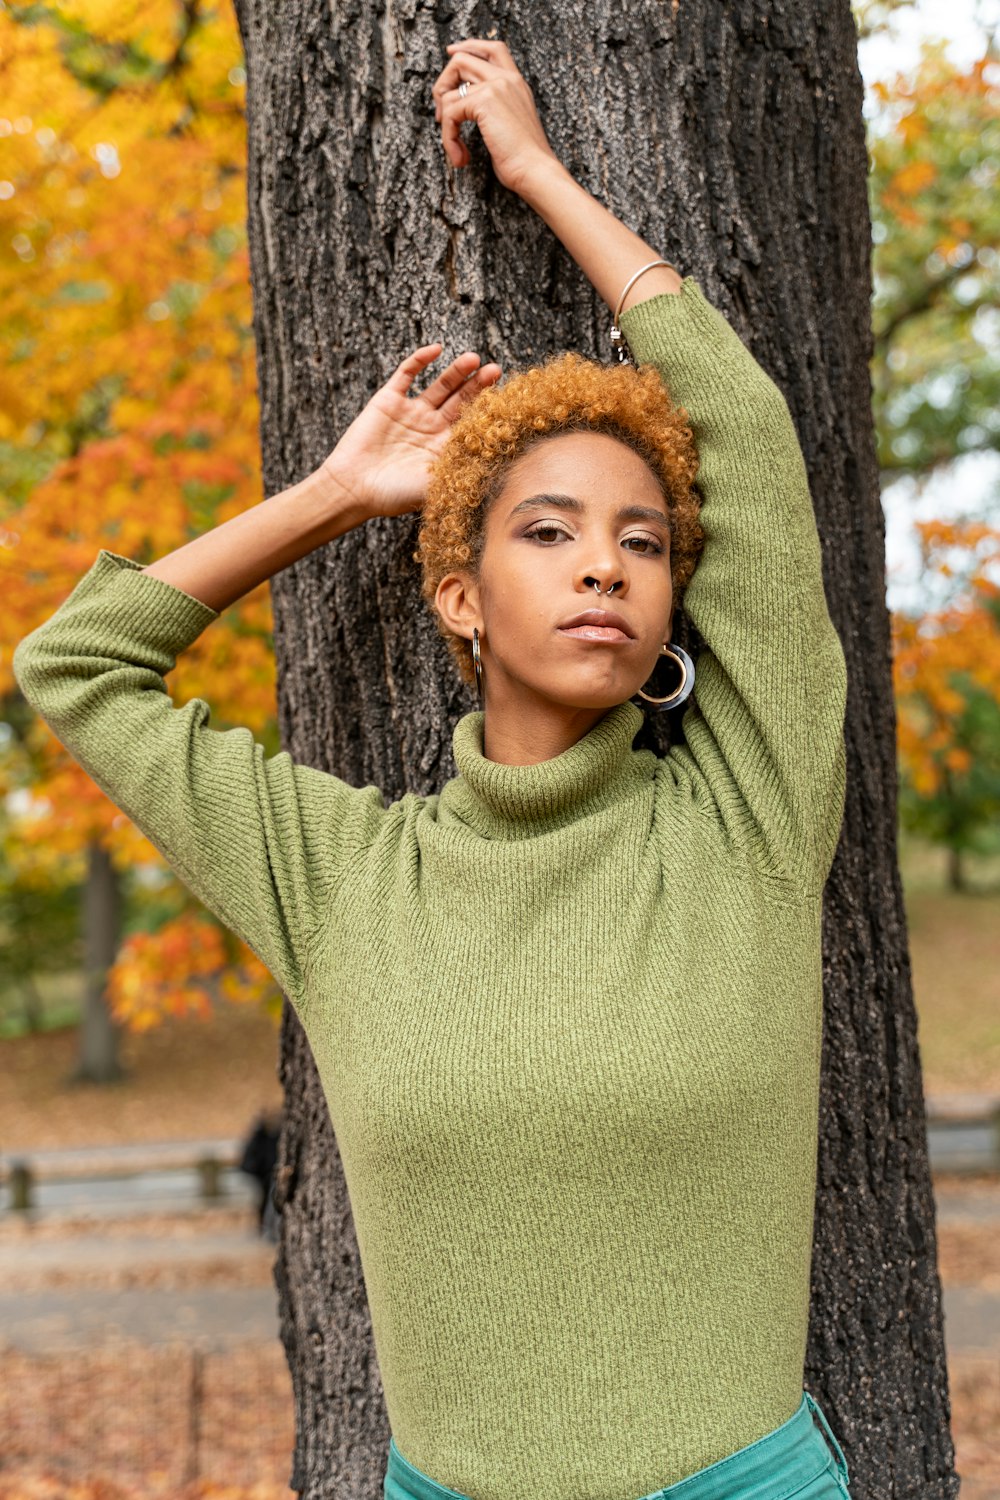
[156, 611]
[696, 348]
[662, 327]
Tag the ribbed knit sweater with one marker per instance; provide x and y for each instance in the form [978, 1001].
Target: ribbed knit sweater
[567, 1016]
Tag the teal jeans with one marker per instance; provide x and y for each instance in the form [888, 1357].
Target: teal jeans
[798, 1458]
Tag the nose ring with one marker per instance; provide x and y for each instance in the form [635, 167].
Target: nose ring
[611, 590]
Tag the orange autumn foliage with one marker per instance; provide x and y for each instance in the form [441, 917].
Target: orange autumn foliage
[936, 653]
[128, 407]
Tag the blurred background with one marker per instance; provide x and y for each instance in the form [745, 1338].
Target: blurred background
[139, 1101]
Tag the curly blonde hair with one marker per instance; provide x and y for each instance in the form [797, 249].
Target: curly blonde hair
[567, 393]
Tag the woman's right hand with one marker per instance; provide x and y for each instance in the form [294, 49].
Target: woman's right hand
[383, 458]
[500, 102]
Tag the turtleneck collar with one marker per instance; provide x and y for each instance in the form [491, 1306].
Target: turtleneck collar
[506, 802]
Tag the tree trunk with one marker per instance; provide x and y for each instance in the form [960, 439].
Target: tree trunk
[33, 1009]
[732, 138]
[97, 1056]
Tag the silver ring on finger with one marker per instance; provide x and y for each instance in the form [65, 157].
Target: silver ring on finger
[463, 89]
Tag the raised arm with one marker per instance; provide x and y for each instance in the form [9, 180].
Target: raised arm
[256, 839]
[261, 841]
[764, 729]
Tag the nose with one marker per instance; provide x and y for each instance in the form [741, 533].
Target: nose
[604, 581]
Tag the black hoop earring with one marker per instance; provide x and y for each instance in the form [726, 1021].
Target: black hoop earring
[477, 663]
[683, 689]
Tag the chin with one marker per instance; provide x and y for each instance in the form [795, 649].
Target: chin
[590, 695]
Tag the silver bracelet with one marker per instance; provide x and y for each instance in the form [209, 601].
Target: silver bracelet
[618, 340]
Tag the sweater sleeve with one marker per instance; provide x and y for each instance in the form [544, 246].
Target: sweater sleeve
[764, 744]
[260, 841]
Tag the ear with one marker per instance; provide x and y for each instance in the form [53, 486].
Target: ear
[457, 602]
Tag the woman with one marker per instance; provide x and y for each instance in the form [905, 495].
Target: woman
[567, 1013]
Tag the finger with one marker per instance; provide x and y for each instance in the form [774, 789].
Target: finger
[486, 376]
[451, 379]
[454, 110]
[409, 368]
[456, 71]
[484, 46]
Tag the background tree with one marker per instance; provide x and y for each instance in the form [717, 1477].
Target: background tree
[124, 188]
[733, 139]
[127, 403]
[935, 158]
[946, 666]
[39, 908]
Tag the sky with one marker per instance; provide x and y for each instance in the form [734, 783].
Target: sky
[972, 484]
[962, 23]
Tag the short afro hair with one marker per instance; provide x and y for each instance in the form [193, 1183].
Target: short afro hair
[567, 393]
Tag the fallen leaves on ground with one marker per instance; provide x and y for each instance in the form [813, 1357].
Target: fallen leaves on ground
[974, 1383]
[969, 1255]
[193, 1225]
[51, 1486]
[124, 1419]
[128, 1421]
[197, 1079]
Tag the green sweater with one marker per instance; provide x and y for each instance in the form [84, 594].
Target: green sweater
[567, 1016]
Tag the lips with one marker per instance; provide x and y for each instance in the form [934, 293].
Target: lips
[598, 625]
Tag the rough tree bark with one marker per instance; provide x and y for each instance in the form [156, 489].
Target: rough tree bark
[731, 136]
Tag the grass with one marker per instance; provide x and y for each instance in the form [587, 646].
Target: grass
[59, 999]
[955, 958]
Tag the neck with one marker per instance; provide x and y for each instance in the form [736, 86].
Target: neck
[540, 795]
[529, 732]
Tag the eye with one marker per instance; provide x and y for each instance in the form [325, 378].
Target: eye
[651, 545]
[537, 532]
[547, 533]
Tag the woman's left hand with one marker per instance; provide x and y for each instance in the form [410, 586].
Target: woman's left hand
[383, 459]
[500, 102]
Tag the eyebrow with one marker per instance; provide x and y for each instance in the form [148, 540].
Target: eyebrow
[570, 502]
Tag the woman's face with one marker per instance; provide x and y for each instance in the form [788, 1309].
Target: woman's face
[575, 509]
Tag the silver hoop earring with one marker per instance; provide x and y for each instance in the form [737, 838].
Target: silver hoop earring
[477, 663]
[683, 690]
